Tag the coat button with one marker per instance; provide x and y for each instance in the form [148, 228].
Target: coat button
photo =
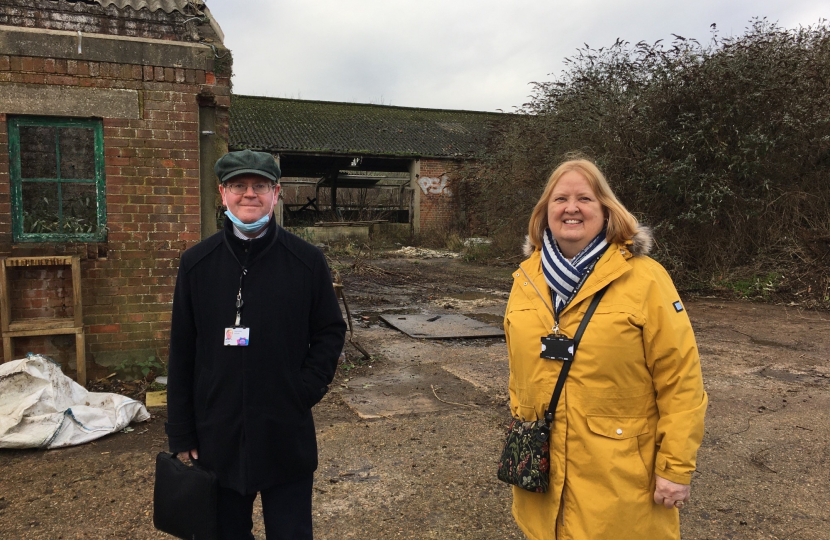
[619, 432]
[525, 283]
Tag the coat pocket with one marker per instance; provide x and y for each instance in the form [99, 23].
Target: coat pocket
[618, 427]
[620, 444]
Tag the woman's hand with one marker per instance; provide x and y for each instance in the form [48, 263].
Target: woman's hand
[670, 494]
[185, 456]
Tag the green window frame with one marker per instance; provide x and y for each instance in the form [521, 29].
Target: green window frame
[57, 187]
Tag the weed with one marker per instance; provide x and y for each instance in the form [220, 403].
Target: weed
[359, 361]
[141, 369]
[454, 242]
[755, 286]
[476, 252]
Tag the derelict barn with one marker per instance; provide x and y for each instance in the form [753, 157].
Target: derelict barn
[349, 163]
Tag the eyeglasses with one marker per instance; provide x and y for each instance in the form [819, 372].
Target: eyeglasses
[241, 189]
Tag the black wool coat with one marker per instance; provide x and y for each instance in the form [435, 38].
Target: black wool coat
[247, 410]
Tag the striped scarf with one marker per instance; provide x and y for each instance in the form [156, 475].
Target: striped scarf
[563, 275]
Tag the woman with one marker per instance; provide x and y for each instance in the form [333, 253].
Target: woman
[630, 418]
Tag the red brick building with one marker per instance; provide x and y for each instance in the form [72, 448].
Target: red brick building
[112, 113]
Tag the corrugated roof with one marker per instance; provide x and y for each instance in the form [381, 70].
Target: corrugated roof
[282, 125]
[153, 5]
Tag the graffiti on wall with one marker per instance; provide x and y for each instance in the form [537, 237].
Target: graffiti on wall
[435, 186]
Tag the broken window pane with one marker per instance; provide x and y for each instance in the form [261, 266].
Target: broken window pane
[79, 208]
[77, 153]
[40, 207]
[38, 158]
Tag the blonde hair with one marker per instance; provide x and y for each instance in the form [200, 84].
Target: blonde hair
[622, 225]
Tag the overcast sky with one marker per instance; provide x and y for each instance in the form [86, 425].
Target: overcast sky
[454, 54]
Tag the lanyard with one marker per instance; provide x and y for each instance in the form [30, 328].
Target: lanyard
[553, 311]
[245, 266]
[571, 297]
[239, 302]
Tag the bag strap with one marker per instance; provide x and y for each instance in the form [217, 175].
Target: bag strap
[566, 367]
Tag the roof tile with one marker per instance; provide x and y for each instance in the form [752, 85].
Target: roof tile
[153, 5]
[282, 125]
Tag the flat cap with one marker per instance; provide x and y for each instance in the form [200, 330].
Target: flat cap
[234, 164]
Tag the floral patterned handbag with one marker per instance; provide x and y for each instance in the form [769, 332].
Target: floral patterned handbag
[526, 456]
[525, 459]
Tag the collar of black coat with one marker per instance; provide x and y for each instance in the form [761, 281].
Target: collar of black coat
[249, 249]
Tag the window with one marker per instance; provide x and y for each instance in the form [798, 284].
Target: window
[57, 179]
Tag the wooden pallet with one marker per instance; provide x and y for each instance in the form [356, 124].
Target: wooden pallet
[44, 327]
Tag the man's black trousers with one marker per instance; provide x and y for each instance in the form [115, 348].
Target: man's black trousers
[286, 510]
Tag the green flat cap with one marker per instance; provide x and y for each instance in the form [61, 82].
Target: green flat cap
[234, 164]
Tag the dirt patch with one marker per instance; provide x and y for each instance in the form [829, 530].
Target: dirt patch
[409, 440]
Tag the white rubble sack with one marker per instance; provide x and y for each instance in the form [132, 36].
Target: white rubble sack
[40, 407]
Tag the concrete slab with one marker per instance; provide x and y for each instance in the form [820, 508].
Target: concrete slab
[389, 394]
[431, 326]
[371, 405]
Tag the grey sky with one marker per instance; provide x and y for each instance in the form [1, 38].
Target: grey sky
[453, 54]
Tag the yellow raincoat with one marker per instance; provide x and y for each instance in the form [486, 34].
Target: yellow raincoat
[632, 405]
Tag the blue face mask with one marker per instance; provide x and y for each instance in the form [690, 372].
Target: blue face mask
[249, 227]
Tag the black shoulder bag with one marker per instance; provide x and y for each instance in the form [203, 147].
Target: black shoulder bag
[525, 459]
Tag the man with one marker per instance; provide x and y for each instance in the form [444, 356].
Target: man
[255, 336]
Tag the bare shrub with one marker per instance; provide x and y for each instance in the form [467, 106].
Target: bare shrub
[723, 148]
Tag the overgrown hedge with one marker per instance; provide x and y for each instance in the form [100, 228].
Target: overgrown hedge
[723, 149]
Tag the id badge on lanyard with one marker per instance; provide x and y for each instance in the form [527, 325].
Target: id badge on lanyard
[238, 335]
[557, 347]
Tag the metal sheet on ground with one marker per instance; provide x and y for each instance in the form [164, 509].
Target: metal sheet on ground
[441, 326]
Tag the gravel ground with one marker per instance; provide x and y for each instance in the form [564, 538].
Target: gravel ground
[409, 440]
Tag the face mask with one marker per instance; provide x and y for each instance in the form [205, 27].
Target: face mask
[249, 227]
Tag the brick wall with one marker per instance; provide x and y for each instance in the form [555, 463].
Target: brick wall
[153, 210]
[438, 206]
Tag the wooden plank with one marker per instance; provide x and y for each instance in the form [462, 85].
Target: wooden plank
[5, 299]
[7, 349]
[47, 332]
[156, 399]
[80, 357]
[40, 325]
[76, 291]
[39, 261]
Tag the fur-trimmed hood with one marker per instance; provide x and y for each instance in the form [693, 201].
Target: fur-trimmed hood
[640, 243]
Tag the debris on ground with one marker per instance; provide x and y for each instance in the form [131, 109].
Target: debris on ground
[424, 253]
[40, 407]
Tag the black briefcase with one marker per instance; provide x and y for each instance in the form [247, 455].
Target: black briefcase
[184, 499]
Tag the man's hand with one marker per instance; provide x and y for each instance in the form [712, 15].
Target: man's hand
[184, 457]
[670, 494]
